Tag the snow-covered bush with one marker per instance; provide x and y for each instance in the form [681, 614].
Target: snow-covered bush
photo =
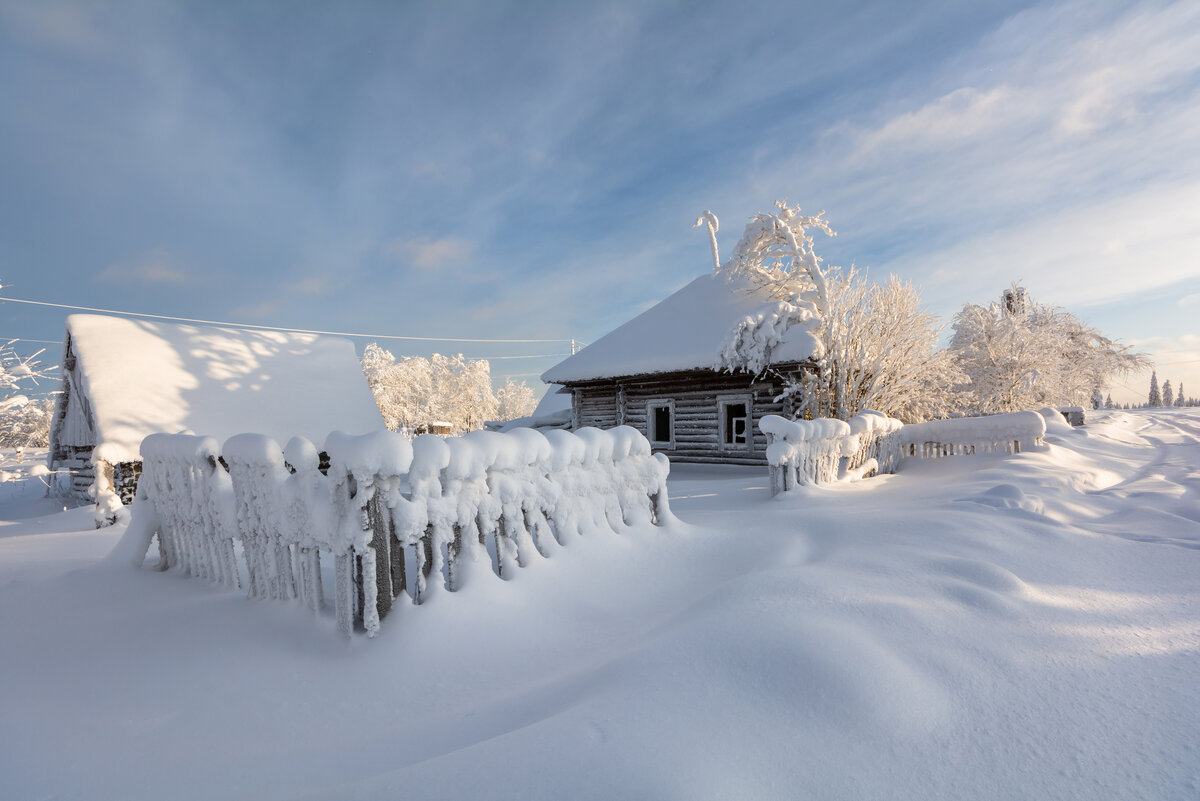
[384, 497]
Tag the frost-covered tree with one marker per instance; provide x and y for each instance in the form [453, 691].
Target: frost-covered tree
[878, 348]
[1019, 354]
[1155, 399]
[1181, 400]
[880, 352]
[1168, 394]
[514, 399]
[413, 392]
[24, 421]
[1108, 401]
[1097, 399]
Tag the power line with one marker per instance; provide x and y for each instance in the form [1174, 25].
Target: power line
[271, 327]
[26, 339]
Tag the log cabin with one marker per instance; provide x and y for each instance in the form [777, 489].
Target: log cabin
[124, 379]
[660, 373]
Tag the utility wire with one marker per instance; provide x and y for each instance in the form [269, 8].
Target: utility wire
[26, 339]
[270, 327]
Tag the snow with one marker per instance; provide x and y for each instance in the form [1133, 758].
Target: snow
[988, 434]
[554, 399]
[993, 627]
[144, 378]
[685, 331]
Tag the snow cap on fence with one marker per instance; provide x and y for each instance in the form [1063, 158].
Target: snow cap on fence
[1028, 427]
[174, 448]
[252, 449]
[301, 455]
[1055, 422]
[869, 421]
[598, 444]
[628, 441]
[382, 452]
[431, 456]
[566, 449]
[798, 439]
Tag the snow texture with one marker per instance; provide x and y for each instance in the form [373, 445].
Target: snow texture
[525, 492]
[687, 331]
[145, 378]
[984, 628]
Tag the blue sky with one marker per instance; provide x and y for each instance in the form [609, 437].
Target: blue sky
[532, 170]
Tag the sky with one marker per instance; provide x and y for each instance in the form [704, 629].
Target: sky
[532, 170]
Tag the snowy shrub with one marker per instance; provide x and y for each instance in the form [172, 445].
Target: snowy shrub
[383, 499]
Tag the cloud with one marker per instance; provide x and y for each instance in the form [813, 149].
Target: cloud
[1082, 255]
[69, 26]
[156, 267]
[1189, 300]
[313, 285]
[257, 311]
[956, 117]
[430, 254]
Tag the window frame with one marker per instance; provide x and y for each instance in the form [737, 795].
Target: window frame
[723, 434]
[651, 406]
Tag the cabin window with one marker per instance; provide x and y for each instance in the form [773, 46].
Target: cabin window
[660, 422]
[734, 420]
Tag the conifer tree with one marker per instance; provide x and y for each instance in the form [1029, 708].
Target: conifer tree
[1155, 399]
[1181, 399]
[1108, 401]
[1168, 393]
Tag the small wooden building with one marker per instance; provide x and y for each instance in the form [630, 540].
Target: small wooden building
[124, 379]
[658, 373]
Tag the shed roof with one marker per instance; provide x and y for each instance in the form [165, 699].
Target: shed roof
[684, 331]
[142, 378]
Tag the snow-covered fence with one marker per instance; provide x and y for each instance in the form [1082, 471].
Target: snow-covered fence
[392, 514]
[999, 433]
[821, 451]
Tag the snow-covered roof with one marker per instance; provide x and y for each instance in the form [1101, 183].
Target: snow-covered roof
[685, 331]
[143, 378]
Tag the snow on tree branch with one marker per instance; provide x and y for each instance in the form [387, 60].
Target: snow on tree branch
[1020, 354]
[414, 392]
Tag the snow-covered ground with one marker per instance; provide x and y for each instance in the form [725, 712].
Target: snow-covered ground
[992, 627]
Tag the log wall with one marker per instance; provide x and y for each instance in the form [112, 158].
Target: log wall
[696, 417]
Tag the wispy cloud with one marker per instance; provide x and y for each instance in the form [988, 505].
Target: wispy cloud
[156, 267]
[430, 254]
